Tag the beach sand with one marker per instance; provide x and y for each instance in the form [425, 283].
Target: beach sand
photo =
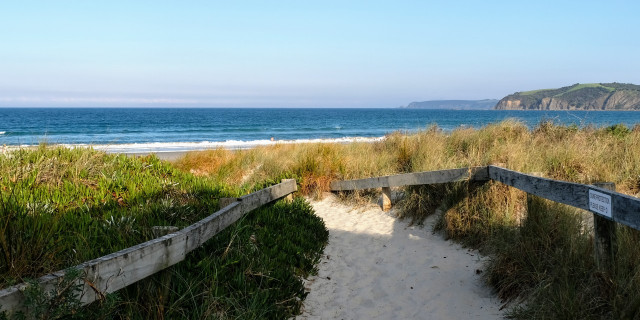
[165, 155]
[162, 155]
[377, 267]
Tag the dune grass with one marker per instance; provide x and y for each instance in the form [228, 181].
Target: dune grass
[60, 207]
[540, 252]
[569, 153]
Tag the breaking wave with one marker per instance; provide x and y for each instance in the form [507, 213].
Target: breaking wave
[205, 145]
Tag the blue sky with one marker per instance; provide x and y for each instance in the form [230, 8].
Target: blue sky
[307, 54]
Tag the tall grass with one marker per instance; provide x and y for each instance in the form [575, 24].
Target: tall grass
[548, 263]
[570, 153]
[540, 252]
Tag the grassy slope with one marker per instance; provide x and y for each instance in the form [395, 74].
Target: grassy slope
[60, 207]
[531, 92]
[563, 90]
[588, 85]
[577, 95]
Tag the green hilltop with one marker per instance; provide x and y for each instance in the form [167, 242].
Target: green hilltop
[589, 96]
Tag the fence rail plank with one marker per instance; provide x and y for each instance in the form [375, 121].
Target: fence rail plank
[413, 179]
[606, 205]
[564, 192]
[120, 269]
[624, 209]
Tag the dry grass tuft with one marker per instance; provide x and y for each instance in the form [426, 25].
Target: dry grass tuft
[481, 212]
[584, 155]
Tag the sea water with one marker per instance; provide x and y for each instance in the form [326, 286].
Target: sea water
[184, 129]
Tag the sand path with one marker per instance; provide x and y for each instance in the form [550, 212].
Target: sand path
[377, 267]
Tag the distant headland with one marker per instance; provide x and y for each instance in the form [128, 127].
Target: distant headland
[590, 96]
[485, 104]
[586, 96]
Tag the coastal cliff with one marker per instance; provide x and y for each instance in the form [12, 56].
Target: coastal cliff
[593, 96]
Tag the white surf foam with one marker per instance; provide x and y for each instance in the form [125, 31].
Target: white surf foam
[205, 145]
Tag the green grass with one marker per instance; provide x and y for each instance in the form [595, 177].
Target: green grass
[252, 270]
[566, 90]
[586, 85]
[532, 92]
[60, 207]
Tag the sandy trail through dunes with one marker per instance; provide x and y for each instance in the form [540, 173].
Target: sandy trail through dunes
[376, 267]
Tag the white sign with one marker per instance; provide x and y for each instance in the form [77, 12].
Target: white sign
[600, 203]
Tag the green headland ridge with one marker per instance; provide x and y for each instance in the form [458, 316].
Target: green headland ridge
[590, 96]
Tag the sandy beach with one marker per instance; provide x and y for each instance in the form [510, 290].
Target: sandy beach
[377, 267]
[163, 155]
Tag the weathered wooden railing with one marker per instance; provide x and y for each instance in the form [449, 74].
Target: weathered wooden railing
[120, 269]
[410, 179]
[607, 205]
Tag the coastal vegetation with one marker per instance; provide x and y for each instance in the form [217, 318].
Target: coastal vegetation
[540, 253]
[589, 96]
[60, 207]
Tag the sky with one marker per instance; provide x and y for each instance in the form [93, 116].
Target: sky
[307, 53]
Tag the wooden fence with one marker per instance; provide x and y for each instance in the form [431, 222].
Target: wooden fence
[120, 269]
[607, 205]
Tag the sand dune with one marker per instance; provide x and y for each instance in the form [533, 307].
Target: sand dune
[376, 267]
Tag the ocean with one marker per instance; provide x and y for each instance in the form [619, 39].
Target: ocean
[182, 129]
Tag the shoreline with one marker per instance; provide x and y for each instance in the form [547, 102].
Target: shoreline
[170, 149]
[166, 155]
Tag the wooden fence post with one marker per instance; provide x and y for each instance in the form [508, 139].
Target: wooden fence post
[529, 204]
[530, 199]
[386, 198]
[288, 198]
[604, 235]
